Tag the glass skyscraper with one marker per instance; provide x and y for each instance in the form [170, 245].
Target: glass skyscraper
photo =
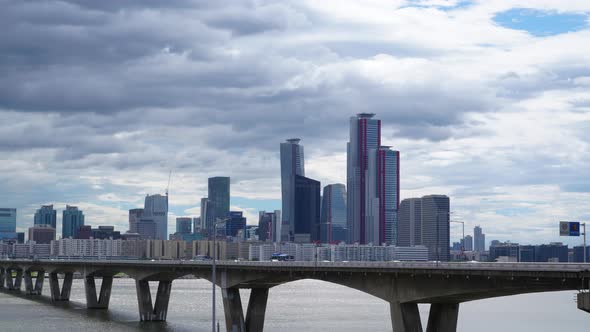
[207, 217]
[292, 165]
[410, 223]
[435, 226]
[306, 210]
[479, 239]
[7, 220]
[46, 215]
[333, 214]
[373, 184]
[7, 223]
[218, 188]
[156, 209]
[72, 220]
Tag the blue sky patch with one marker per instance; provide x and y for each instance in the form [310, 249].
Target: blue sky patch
[541, 23]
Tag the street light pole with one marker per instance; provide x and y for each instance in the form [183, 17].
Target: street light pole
[463, 224]
[584, 225]
[213, 279]
[214, 267]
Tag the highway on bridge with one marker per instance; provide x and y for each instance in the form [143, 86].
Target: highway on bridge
[402, 284]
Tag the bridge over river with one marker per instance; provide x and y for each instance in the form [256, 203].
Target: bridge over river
[402, 284]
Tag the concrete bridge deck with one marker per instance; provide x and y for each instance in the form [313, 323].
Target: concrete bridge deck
[402, 284]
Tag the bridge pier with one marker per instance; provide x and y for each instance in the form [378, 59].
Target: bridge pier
[256, 309]
[147, 310]
[11, 282]
[405, 317]
[443, 317]
[234, 314]
[37, 287]
[102, 301]
[232, 307]
[64, 293]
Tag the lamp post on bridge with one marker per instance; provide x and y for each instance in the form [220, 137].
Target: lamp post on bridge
[447, 213]
[463, 224]
[213, 280]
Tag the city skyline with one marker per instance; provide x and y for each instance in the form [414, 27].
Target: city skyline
[494, 116]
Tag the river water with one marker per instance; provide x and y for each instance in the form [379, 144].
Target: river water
[306, 305]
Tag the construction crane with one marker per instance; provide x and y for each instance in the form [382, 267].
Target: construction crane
[169, 178]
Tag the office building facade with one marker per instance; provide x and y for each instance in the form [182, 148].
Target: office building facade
[373, 182]
[410, 223]
[134, 216]
[184, 225]
[156, 209]
[46, 215]
[235, 223]
[307, 210]
[435, 226]
[219, 195]
[468, 245]
[292, 165]
[479, 239]
[382, 196]
[333, 224]
[8, 224]
[365, 136]
[72, 220]
[207, 217]
[42, 234]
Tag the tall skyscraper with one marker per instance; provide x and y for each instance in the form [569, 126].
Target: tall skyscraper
[46, 215]
[156, 209]
[197, 226]
[7, 220]
[307, 210]
[382, 196]
[292, 165]
[72, 220]
[410, 223]
[134, 216]
[479, 239]
[468, 245]
[435, 226]
[373, 184]
[207, 217]
[333, 214]
[218, 188]
[365, 135]
[184, 225]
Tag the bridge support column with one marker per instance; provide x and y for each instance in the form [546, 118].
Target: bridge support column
[147, 311]
[405, 317]
[92, 300]
[256, 309]
[443, 317]
[2, 277]
[13, 283]
[37, 287]
[232, 305]
[64, 294]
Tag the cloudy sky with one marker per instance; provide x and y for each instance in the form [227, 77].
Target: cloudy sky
[488, 102]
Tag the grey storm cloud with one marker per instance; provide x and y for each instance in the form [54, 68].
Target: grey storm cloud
[103, 98]
[188, 63]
